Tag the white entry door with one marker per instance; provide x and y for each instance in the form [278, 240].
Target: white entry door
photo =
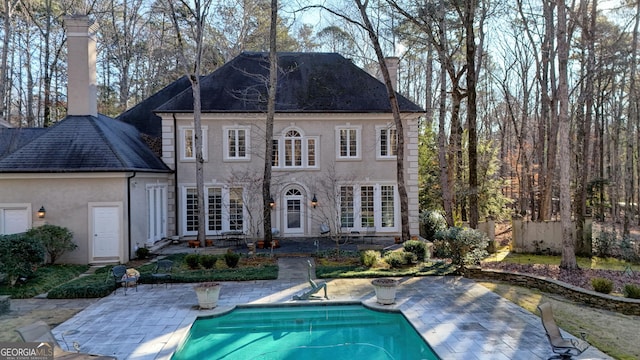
[293, 212]
[106, 232]
[13, 221]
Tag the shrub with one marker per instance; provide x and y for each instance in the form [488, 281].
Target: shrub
[192, 260]
[369, 258]
[92, 286]
[142, 252]
[430, 223]
[632, 291]
[465, 246]
[56, 240]
[208, 261]
[416, 247]
[395, 259]
[409, 257]
[20, 255]
[231, 259]
[605, 242]
[602, 285]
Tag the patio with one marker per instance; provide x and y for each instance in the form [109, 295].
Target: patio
[459, 319]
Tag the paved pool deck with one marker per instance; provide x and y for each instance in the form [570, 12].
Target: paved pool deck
[457, 317]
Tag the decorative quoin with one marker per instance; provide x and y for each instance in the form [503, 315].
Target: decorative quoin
[385, 290]
[208, 294]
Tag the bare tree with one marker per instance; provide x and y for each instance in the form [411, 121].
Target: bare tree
[198, 12]
[271, 111]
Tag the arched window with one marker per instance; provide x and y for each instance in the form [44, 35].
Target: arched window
[294, 150]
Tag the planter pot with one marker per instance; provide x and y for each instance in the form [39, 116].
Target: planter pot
[194, 243]
[397, 240]
[260, 244]
[385, 290]
[209, 242]
[208, 294]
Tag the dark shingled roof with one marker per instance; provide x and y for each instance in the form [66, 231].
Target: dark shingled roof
[84, 144]
[11, 139]
[142, 116]
[307, 82]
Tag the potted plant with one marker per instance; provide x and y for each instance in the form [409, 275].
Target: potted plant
[208, 294]
[385, 290]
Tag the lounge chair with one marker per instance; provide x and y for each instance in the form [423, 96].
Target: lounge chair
[564, 348]
[39, 331]
[314, 287]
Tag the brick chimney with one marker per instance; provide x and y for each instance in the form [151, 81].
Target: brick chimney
[81, 46]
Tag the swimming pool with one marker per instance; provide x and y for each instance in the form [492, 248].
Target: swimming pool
[304, 332]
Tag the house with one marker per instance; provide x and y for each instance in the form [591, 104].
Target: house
[334, 146]
[334, 162]
[91, 173]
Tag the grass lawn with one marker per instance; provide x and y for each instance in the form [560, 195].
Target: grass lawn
[44, 279]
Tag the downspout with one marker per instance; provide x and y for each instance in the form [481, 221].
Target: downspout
[175, 174]
[129, 210]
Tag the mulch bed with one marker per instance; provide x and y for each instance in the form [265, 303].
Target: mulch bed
[581, 277]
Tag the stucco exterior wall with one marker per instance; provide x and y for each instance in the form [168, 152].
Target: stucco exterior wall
[367, 169]
[68, 198]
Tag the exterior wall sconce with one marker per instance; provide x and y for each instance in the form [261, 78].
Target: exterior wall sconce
[314, 201]
[41, 213]
[271, 202]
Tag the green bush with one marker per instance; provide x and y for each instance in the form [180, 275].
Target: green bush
[465, 246]
[208, 261]
[602, 285]
[604, 243]
[231, 259]
[416, 247]
[396, 259]
[92, 286]
[192, 261]
[632, 291]
[56, 240]
[20, 255]
[142, 252]
[369, 258]
[430, 223]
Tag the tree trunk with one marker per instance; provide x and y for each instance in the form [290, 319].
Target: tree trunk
[568, 252]
[271, 110]
[393, 101]
[471, 113]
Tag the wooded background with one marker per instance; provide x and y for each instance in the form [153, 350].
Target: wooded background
[515, 92]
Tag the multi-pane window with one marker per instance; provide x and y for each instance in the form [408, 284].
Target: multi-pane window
[191, 208]
[346, 207]
[366, 207]
[224, 207]
[298, 151]
[188, 143]
[292, 149]
[236, 143]
[387, 205]
[214, 209]
[235, 209]
[348, 142]
[388, 144]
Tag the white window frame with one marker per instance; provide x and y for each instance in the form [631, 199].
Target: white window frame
[157, 209]
[247, 144]
[279, 161]
[377, 208]
[226, 190]
[14, 206]
[358, 140]
[182, 130]
[391, 151]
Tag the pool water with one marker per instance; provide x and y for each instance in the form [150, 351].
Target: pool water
[304, 332]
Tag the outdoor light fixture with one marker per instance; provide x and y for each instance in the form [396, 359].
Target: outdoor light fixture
[42, 212]
[314, 201]
[271, 202]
